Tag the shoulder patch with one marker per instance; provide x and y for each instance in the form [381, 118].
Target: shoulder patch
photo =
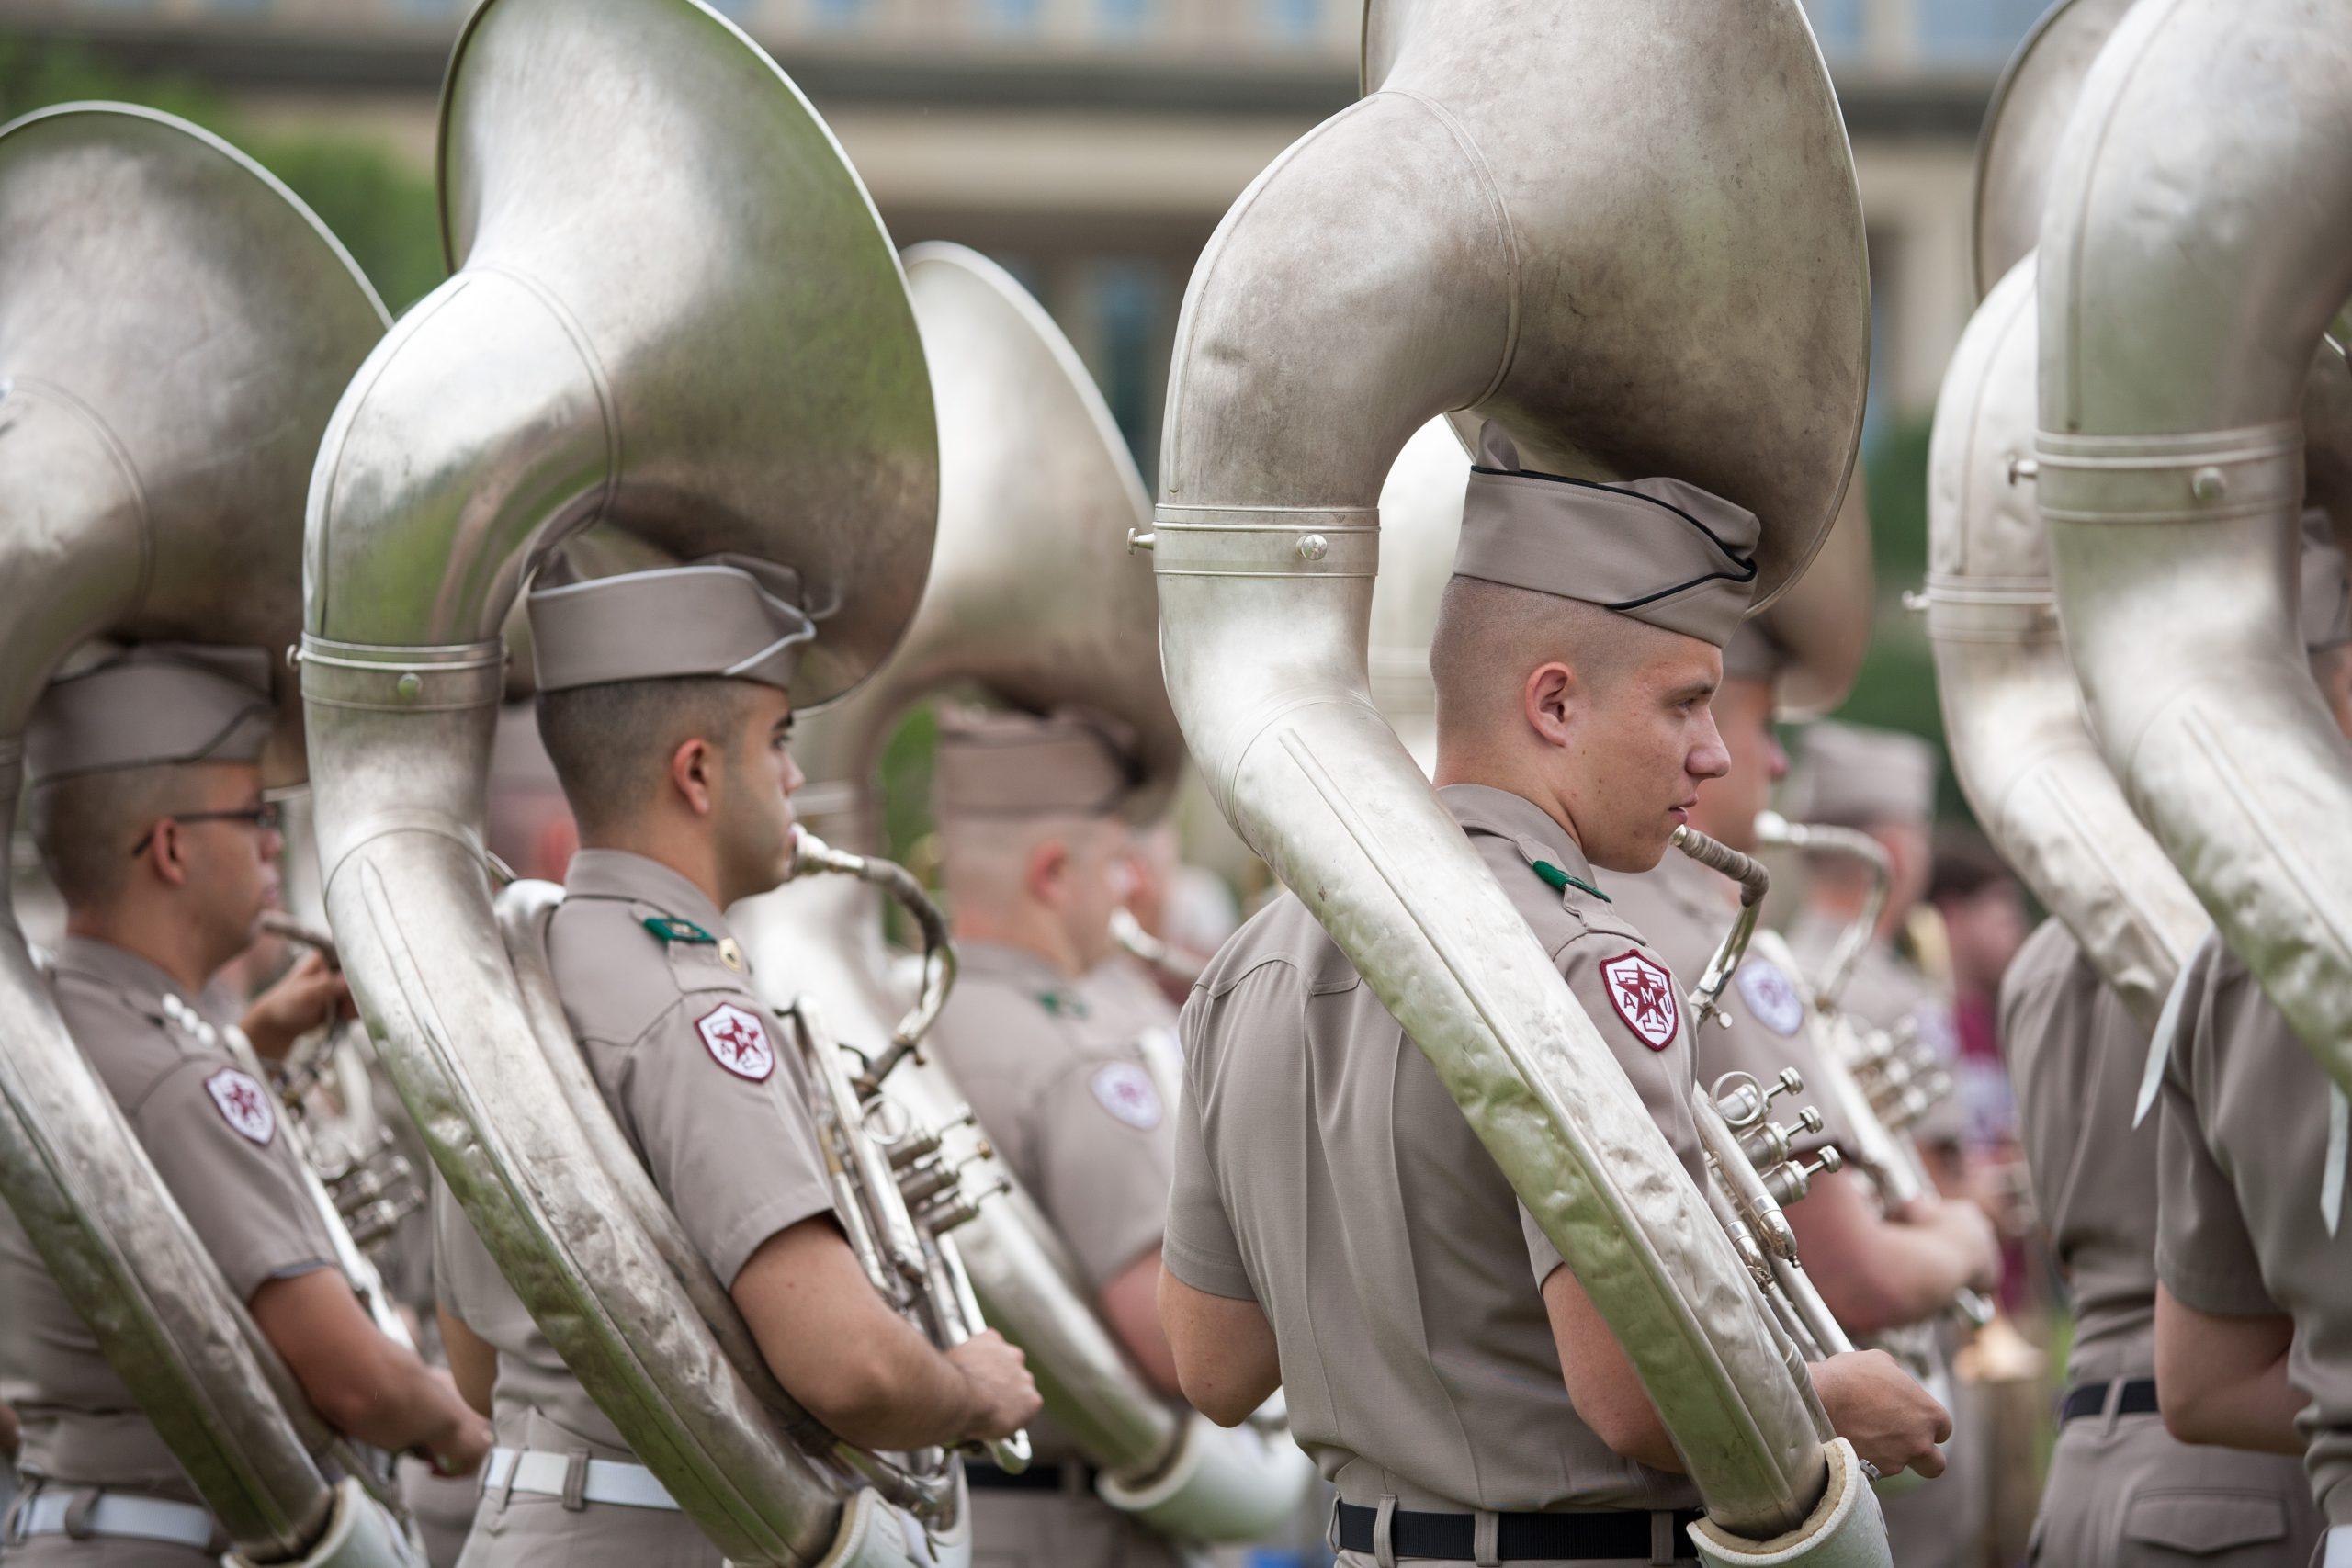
[1126, 1091]
[244, 1104]
[737, 1041]
[1643, 994]
[1771, 996]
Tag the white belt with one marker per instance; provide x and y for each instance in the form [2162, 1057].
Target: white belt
[2339, 1548]
[115, 1514]
[545, 1474]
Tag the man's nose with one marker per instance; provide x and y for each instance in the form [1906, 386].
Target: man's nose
[1711, 759]
[273, 844]
[793, 777]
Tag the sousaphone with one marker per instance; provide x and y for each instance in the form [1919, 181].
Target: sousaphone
[1584, 267]
[676, 313]
[2205, 183]
[1034, 602]
[174, 329]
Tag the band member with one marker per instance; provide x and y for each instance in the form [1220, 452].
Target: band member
[1336, 1228]
[1875, 1272]
[2253, 1312]
[1033, 854]
[662, 700]
[2121, 1491]
[147, 810]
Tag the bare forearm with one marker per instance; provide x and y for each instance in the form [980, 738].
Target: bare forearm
[2222, 1379]
[907, 1396]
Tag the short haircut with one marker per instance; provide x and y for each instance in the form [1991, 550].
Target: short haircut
[1964, 866]
[1488, 636]
[84, 826]
[611, 744]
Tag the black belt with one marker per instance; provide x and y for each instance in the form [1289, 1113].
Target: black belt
[1036, 1478]
[1518, 1536]
[2139, 1398]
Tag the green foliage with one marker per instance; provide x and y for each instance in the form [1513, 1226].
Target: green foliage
[383, 210]
[1896, 688]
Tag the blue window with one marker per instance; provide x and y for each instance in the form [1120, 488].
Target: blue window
[1838, 24]
[835, 13]
[1293, 19]
[1130, 299]
[1125, 15]
[1009, 16]
[1975, 30]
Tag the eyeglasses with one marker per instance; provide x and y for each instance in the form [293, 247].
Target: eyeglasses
[269, 816]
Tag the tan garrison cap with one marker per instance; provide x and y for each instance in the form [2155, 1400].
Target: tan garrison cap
[1754, 654]
[2326, 612]
[156, 704]
[1658, 550]
[727, 614]
[1003, 764]
[1854, 777]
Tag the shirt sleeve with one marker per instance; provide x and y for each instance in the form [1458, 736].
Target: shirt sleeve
[2204, 1254]
[245, 1197]
[725, 1127]
[1106, 1153]
[1199, 1246]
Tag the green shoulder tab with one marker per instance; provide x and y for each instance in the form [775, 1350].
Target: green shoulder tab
[1062, 1004]
[1562, 881]
[669, 928]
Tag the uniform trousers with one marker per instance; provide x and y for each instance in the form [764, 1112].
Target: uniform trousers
[443, 1507]
[521, 1529]
[2124, 1493]
[1069, 1529]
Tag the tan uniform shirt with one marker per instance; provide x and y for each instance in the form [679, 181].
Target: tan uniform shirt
[213, 1135]
[2075, 1053]
[2239, 1230]
[1062, 1090]
[1883, 992]
[1323, 1171]
[1685, 910]
[686, 1056]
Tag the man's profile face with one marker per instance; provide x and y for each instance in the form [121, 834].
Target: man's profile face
[1097, 884]
[752, 809]
[1640, 745]
[1728, 806]
[231, 865]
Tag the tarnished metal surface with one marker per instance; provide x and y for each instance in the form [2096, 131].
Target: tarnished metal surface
[2205, 184]
[1471, 237]
[2013, 717]
[676, 313]
[2027, 114]
[1033, 599]
[173, 328]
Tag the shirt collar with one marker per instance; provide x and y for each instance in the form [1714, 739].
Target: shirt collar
[1537, 835]
[1692, 888]
[88, 958]
[640, 879]
[1020, 967]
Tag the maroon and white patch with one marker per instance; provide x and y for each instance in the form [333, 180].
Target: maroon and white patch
[738, 1042]
[1642, 995]
[1127, 1092]
[243, 1103]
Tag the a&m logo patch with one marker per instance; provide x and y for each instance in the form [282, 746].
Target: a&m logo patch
[1642, 995]
[1771, 996]
[243, 1103]
[1127, 1092]
[738, 1042]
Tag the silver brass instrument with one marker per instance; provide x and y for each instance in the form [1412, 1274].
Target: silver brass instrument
[663, 271]
[2172, 467]
[1752, 1172]
[1486, 269]
[370, 1183]
[172, 327]
[1162, 956]
[898, 1189]
[1033, 600]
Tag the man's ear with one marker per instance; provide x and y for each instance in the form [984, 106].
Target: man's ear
[1547, 701]
[694, 773]
[165, 855]
[1045, 876]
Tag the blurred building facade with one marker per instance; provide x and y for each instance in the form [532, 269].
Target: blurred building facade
[1091, 145]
